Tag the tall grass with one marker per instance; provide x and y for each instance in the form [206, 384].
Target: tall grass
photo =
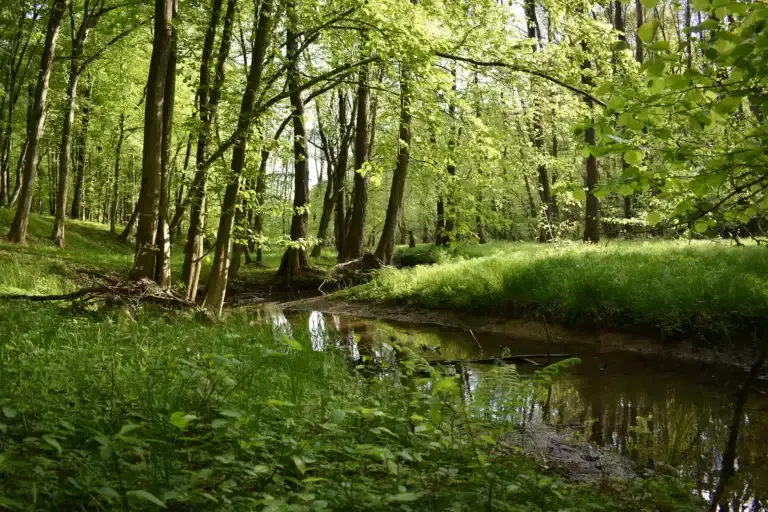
[669, 288]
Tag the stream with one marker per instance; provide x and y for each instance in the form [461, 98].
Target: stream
[657, 411]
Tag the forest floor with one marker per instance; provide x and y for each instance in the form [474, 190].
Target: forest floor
[144, 408]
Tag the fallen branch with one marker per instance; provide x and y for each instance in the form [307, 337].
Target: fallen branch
[526, 358]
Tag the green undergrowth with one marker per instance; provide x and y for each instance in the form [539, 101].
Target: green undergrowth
[707, 291]
[107, 411]
[38, 267]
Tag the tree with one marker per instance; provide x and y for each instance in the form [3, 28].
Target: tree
[36, 123]
[147, 251]
[386, 247]
[353, 245]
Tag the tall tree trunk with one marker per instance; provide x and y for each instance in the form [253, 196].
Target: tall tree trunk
[340, 178]
[144, 264]
[386, 247]
[85, 118]
[445, 206]
[208, 108]
[640, 21]
[116, 184]
[217, 282]
[65, 151]
[329, 199]
[325, 216]
[295, 257]
[353, 247]
[592, 212]
[36, 124]
[258, 218]
[163, 263]
[545, 194]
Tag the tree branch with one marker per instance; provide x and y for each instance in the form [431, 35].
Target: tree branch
[513, 67]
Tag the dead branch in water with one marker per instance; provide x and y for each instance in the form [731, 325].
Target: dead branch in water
[525, 358]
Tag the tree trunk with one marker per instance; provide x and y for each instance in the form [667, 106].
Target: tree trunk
[85, 118]
[592, 212]
[131, 223]
[208, 107]
[258, 218]
[163, 263]
[640, 21]
[116, 184]
[144, 264]
[65, 151]
[325, 216]
[353, 246]
[36, 125]
[340, 178]
[386, 247]
[217, 282]
[295, 258]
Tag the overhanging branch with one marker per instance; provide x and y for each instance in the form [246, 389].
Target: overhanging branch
[513, 67]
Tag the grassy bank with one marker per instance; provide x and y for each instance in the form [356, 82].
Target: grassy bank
[702, 290]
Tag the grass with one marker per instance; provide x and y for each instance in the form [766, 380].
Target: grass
[119, 409]
[673, 289]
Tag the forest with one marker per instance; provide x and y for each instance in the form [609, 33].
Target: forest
[392, 255]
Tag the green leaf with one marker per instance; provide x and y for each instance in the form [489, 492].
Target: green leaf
[53, 442]
[653, 218]
[701, 226]
[337, 416]
[300, 464]
[180, 419]
[634, 156]
[647, 31]
[700, 5]
[295, 345]
[109, 493]
[649, 4]
[127, 429]
[406, 496]
[9, 411]
[147, 496]
[579, 194]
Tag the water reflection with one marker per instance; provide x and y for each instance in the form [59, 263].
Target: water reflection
[658, 412]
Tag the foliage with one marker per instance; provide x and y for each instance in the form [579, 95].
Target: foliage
[158, 411]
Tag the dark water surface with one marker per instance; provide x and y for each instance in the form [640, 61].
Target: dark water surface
[658, 411]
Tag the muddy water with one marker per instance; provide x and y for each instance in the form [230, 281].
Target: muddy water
[660, 412]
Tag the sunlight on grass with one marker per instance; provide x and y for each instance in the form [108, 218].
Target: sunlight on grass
[670, 287]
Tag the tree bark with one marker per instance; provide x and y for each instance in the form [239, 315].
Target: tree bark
[329, 199]
[386, 247]
[353, 246]
[163, 263]
[116, 184]
[208, 101]
[258, 218]
[294, 259]
[36, 124]
[217, 282]
[340, 178]
[592, 212]
[144, 264]
[85, 118]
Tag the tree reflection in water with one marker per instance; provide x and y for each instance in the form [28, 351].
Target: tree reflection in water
[662, 413]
